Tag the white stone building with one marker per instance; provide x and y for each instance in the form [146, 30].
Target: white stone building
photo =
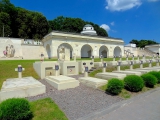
[86, 44]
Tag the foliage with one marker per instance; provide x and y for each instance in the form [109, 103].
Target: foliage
[46, 109]
[156, 74]
[142, 43]
[21, 23]
[15, 109]
[114, 86]
[133, 83]
[149, 80]
[74, 25]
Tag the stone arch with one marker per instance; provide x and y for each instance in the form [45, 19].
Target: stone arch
[48, 50]
[103, 50]
[117, 51]
[67, 45]
[86, 51]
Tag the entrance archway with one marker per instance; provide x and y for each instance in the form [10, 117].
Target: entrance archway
[103, 51]
[66, 45]
[86, 51]
[48, 51]
[117, 51]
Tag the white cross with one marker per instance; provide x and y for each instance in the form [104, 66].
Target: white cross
[19, 69]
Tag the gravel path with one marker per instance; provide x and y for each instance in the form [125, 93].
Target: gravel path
[79, 101]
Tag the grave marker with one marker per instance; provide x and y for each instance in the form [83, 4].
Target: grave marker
[19, 69]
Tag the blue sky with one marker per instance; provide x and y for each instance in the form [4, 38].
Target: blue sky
[126, 19]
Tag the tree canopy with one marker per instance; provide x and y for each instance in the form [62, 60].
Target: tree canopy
[143, 43]
[75, 25]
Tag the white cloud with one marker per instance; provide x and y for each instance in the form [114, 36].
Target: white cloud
[122, 5]
[112, 23]
[153, 0]
[106, 27]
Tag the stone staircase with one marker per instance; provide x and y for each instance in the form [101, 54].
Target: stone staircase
[146, 52]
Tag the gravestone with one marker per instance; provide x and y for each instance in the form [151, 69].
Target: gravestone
[118, 65]
[19, 69]
[127, 57]
[131, 65]
[101, 56]
[138, 57]
[157, 64]
[104, 67]
[133, 57]
[85, 71]
[114, 58]
[150, 63]
[92, 58]
[141, 63]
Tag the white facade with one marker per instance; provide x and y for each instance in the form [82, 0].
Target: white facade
[155, 48]
[82, 45]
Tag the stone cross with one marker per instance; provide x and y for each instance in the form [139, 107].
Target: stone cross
[85, 71]
[101, 56]
[56, 70]
[114, 58]
[104, 67]
[127, 57]
[92, 58]
[138, 57]
[157, 64]
[141, 64]
[120, 58]
[143, 57]
[118, 65]
[19, 69]
[133, 57]
[131, 65]
[74, 55]
[150, 63]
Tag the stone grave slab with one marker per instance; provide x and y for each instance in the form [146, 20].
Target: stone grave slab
[110, 75]
[138, 70]
[128, 72]
[21, 87]
[93, 82]
[62, 82]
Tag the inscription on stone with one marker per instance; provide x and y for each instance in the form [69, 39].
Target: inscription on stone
[70, 69]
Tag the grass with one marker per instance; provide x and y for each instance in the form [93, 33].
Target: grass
[46, 109]
[7, 69]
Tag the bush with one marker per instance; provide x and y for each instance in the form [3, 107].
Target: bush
[115, 86]
[15, 109]
[156, 74]
[133, 83]
[149, 80]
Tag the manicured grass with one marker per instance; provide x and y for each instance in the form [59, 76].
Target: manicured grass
[7, 69]
[46, 109]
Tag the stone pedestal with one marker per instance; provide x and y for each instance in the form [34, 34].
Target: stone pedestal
[141, 65]
[131, 67]
[85, 74]
[118, 68]
[103, 69]
[62, 82]
[21, 87]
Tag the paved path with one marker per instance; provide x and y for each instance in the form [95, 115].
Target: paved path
[142, 107]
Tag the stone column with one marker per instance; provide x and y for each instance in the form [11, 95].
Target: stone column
[131, 65]
[141, 64]
[86, 71]
[118, 65]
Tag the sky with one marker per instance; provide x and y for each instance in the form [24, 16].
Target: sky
[125, 19]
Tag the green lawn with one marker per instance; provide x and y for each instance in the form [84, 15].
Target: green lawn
[46, 109]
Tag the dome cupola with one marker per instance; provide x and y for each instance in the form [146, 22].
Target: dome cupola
[89, 30]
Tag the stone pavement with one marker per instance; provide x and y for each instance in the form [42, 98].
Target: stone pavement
[145, 106]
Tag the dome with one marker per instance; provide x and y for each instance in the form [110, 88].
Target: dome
[89, 30]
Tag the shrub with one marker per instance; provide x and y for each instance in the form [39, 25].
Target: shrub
[115, 86]
[15, 109]
[133, 83]
[149, 80]
[156, 74]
